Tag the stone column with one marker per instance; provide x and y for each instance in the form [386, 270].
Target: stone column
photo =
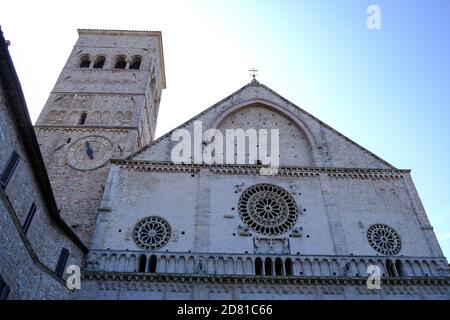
[333, 216]
[202, 215]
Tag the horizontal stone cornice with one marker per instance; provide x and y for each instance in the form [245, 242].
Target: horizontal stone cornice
[244, 279]
[96, 93]
[66, 128]
[354, 173]
[119, 32]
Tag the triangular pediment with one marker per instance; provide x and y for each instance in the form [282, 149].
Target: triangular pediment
[305, 141]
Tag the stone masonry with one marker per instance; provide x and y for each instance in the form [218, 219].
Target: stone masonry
[163, 229]
[120, 103]
[341, 192]
[28, 257]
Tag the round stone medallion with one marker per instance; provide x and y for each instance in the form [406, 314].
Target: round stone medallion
[268, 209]
[384, 239]
[151, 233]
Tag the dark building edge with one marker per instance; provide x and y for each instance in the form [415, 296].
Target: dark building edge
[17, 107]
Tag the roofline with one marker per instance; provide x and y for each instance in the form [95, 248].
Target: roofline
[16, 105]
[327, 126]
[118, 32]
[257, 84]
[139, 162]
[151, 143]
[136, 33]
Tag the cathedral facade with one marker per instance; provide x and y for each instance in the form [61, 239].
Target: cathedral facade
[332, 221]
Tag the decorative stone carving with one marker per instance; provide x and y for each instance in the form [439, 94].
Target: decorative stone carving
[271, 245]
[124, 117]
[152, 233]
[297, 232]
[238, 187]
[268, 209]
[244, 230]
[293, 188]
[55, 116]
[384, 239]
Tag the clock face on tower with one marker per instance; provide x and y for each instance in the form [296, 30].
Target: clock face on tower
[89, 153]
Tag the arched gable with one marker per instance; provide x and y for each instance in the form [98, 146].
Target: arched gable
[297, 145]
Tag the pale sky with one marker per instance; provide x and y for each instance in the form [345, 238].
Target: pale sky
[386, 89]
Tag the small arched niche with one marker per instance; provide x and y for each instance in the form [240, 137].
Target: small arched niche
[85, 61]
[120, 62]
[294, 143]
[99, 62]
[135, 63]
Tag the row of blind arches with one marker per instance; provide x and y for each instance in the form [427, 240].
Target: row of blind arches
[120, 62]
[393, 269]
[269, 267]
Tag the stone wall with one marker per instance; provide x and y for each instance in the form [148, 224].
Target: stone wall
[148, 287]
[336, 208]
[327, 147]
[78, 193]
[28, 260]
[347, 201]
[121, 107]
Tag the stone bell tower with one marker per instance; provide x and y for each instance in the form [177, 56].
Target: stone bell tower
[104, 105]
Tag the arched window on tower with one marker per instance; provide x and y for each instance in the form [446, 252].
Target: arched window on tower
[99, 62]
[82, 119]
[85, 61]
[121, 62]
[135, 63]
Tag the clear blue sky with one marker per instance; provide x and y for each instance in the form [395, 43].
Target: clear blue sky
[388, 89]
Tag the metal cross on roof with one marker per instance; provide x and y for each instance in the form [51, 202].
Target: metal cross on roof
[253, 73]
